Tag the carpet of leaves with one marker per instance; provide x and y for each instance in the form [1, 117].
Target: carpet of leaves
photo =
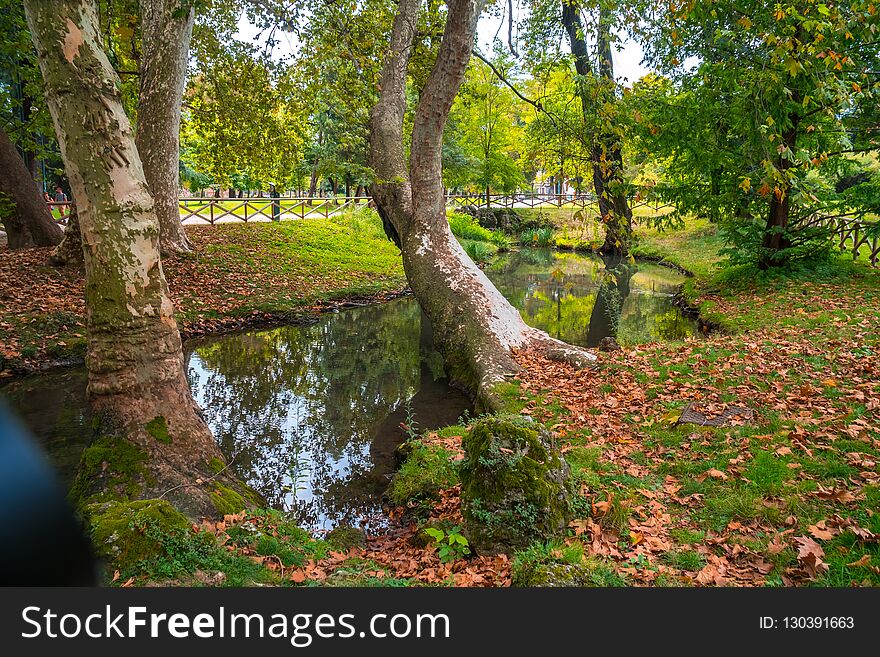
[815, 389]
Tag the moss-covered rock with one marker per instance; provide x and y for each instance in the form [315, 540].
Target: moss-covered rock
[126, 533]
[427, 470]
[345, 538]
[515, 486]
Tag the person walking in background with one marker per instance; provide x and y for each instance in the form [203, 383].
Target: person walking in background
[60, 196]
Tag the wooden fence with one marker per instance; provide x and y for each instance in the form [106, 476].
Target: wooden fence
[214, 210]
[850, 233]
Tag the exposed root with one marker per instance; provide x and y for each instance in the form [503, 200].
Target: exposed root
[577, 357]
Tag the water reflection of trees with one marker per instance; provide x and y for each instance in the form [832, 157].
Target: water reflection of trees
[319, 391]
[583, 298]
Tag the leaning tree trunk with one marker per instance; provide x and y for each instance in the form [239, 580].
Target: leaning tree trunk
[23, 211]
[475, 327]
[137, 385]
[605, 154]
[166, 38]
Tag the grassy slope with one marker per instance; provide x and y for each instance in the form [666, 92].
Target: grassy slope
[685, 505]
[236, 271]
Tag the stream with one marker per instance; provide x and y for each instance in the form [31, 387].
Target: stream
[310, 415]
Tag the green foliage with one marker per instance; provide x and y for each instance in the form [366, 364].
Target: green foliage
[482, 140]
[775, 114]
[466, 227]
[537, 237]
[450, 545]
[479, 251]
[427, 470]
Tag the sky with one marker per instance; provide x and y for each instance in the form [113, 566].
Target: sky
[627, 56]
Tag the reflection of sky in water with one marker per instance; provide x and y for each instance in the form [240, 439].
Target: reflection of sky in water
[308, 412]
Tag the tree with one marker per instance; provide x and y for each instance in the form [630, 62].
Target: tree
[23, 122]
[791, 91]
[23, 212]
[137, 385]
[166, 31]
[488, 117]
[475, 328]
[242, 119]
[597, 94]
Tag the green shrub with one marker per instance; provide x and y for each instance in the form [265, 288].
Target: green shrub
[479, 251]
[537, 237]
[466, 227]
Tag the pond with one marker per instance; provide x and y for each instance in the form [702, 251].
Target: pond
[310, 415]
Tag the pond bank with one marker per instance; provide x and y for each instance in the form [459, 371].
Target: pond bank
[238, 276]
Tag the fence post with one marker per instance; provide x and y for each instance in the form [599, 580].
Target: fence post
[211, 208]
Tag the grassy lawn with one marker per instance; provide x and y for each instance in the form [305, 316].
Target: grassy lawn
[787, 497]
[237, 272]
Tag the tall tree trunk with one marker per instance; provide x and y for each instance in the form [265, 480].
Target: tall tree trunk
[475, 327]
[605, 154]
[775, 238]
[137, 385]
[165, 37]
[23, 212]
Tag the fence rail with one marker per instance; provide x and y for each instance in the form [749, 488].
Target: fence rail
[850, 233]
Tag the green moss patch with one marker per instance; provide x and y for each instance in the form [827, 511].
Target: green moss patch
[111, 469]
[127, 533]
[158, 429]
[427, 470]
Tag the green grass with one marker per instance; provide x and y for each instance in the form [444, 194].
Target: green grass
[237, 270]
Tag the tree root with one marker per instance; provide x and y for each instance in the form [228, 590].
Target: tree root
[562, 352]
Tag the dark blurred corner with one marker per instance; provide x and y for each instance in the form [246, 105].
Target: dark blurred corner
[42, 542]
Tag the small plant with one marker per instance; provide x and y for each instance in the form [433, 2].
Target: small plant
[410, 425]
[478, 251]
[450, 546]
[537, 237]
[500, 240]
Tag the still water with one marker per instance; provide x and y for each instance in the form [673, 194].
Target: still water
[310, 415]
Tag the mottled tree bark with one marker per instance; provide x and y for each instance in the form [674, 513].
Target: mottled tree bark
[23, 212]
[137, 384]
[605, 153]
[166, 38]
[475, 327]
